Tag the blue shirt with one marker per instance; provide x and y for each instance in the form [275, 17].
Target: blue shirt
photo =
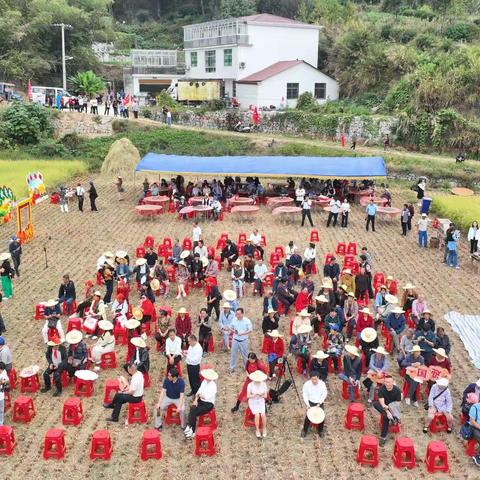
[241, 326]
[174, 389]
[371, 209]
[378, 363]
[396, 323]
[474, 412]
[226, 320]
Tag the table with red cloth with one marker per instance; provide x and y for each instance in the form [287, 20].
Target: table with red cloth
[156, 200]
[364, 201]
[245, 209]
[274, 202]
[240, 201]
[389, 211]
[196, 200]
[148, 210]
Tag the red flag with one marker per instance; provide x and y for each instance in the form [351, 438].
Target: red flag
[255, 116]
[342, 138]
[29, 90]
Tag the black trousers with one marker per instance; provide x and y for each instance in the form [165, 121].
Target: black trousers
[307, 423]
[16, 263]
[118, 400]
[214, 306]
[345, 219]
[93, 207]
[201, 409]
[307, 213]
[109, 290]
[204, 334]
[56, 377]
[404, 228]
[81, 308]
[176, 360]
[371, 220]
[385, 420]
[332, 216]
[194, 377]
[473, 246]
[80, 203]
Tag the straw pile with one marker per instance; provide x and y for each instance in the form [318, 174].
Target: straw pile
[121, 159]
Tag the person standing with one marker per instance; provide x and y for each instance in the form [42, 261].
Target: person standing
[15, 249]
[120, 189]
[473, 237]
[196, 234]
[193, 360]
[371, 211]
[6, 274]
[63, 201]
[422, 226]
[93, 195]
[404, 219]
[4, 381]
[306, 211]
[80, 192]
[241, 327]
[135, 108]
[169, 117]
[3, 328]
[314, 395]
[107, 102]
[333, 213]
[115, 107]
[345, 210]
[387, 405]
[225, 322]
[299, 195]
[257, 392]
[173, 393]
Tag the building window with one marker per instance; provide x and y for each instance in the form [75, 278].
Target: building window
[193, 59]
[227, 57]
[320, 91]
[210, 61]
[292, 91]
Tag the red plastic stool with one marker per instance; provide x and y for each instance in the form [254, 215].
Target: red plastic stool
[137, 412]
[406, 387]
[368, 451]
[249, 420]
[150, 446]
[391, 428]
[74, 323]
[65, 379]
[208, 420]
[404, 453]
[436, 457]
[314, 237]
[355, 417]
[83, 388]
[101, 446]
[12, 377]
[39, 312]
[204, 442]
[69, 309]
[7, 401]
[54, 444]
[111, 386]
[171, 416]
[471, 447]
[23, 409]
[72, 411]
[389, 343]
[345, 391]
[7, 440]
[30, 384]
[439, 423]
[108, 360]
[331, 368]
[120, 334]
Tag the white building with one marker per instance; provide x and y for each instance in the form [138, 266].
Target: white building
[241, 51]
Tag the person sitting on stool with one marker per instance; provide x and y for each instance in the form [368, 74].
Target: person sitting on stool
[57, 363]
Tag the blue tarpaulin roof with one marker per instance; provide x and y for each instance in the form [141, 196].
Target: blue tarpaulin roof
[321, 167]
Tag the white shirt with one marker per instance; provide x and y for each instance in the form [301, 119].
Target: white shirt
[314, 393]
[196, 234]
[309, 254]
[422, 224]
[6, 355]
[289, 251]
[202, 251]
[207, 391]
[260, 271]
[194, 354]
[173, 347]
[59, 328]
[136, 384]
[334, 206]
[80, 191]
[255, 239]
[345, 207]
[300, 194]
[4, 378]
[307, 204]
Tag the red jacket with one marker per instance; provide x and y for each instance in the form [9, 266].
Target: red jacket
[364, 321]
[183, 326]
[147, 307]
[277, 347]
[302, 301]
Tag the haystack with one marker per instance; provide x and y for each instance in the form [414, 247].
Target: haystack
[121, 159]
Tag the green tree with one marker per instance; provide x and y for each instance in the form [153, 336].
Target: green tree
[87, 82]
[236, 8]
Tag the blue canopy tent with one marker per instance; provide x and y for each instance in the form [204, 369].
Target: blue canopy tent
[317, 167]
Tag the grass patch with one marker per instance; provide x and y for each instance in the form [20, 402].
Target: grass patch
[460, 210]
[14, 172]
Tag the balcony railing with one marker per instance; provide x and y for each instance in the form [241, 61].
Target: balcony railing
[210, 34]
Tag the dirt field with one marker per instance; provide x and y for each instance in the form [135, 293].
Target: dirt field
[77, 240]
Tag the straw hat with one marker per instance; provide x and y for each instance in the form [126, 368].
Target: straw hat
[383, 287]
[304, 313]
[137, 313]
[304, 329]
[256, 376]
[185, 254]
[182, 263]
[389, 277]
[140, 262]
[366, 311]
[155, 285]
[352, 349]
[316, 415]
[138, 342]
[182, 310]
[398, 310]
[441, 352]
[391, 299]
[226, 305]
[321, 299]
[53, 343]
[408, 286]
[427, 311]
[344, 287]
[74, 336]
[97, 293]
[107, 254]
[271, 310]
[131, 324]
[368, 334]
[347, 271]
[327, 283]
[416, 348]
[209, 374]
[204, 261]
[105, 325]
[237, 262]
[229, 295]
[321, 355]
[443, 382]
[121, 253]
[380, 350]
[351, 294]
[111, 263]
[275, 334]
[50, 303]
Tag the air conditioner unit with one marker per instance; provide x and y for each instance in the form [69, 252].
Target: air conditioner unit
[242, 65]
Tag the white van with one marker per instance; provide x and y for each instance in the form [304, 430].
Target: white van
[40, 94]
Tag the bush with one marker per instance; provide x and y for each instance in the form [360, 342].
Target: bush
[50, 149]
[72, 142]
[306, 101]
[25, 123]
[119, 126]
[146, 112]
[461, 32]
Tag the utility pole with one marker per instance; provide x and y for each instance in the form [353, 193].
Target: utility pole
[63, 26]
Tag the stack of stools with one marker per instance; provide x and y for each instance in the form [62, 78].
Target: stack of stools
[101, 445]
[54, 444]
[150, 446]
